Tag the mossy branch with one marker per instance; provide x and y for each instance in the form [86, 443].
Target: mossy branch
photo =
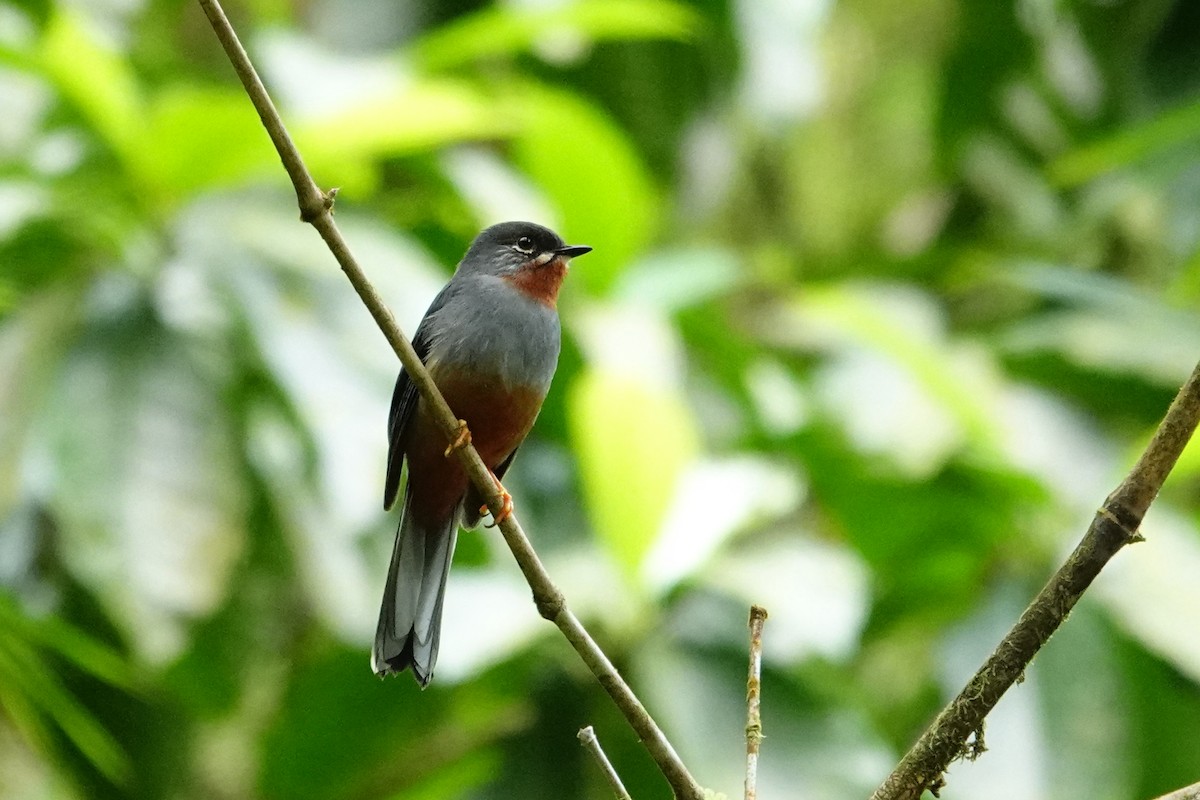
[958, 730]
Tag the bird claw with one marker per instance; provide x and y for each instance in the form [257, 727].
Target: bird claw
[461, 439]
[506, 505]
[506, 510]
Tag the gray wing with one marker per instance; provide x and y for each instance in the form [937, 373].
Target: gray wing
[404, 404]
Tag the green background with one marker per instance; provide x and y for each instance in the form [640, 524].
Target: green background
[885, 298]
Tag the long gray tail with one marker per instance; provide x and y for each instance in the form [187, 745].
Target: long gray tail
[410, 619]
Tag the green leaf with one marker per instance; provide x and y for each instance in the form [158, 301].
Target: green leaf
[413, 118]
[1188, 465]
[8, 298]
[403, 737]
[1160, 705]
[32, 677]
[86, 653]
[633, 439]
[1128, 146]
[18, 705]
[508, 30]
[196, 139]
[904, 328]
[97, 80]
[591, 171]
[1103, 324]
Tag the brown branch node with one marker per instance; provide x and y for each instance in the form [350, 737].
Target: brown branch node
[314, 206]
[549, 604]
[1112, 513]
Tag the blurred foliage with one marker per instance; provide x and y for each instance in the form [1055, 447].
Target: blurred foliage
[885, 299]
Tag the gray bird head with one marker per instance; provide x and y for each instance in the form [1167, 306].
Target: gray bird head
[510, 247]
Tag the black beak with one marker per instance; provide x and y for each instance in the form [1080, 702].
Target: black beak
[572, 250]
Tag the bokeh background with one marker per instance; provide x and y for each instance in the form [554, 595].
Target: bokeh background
[885, 298]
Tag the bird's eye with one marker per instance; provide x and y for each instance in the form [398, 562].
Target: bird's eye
[525, 244]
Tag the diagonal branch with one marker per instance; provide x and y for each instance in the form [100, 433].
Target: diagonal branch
[1186, 793]
[316, 208]
[1114, 526]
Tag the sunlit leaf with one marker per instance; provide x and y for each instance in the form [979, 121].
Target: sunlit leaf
[196, 139]
[18, 704]
[892, 344]
[750, 491]
[32, 677]
[1104, 324]
[1127, 146]
[505, 30]
[790, 575]
[588, 167]
[86, 653]
[633, 441]
[886, 327]
[96, 79]
[416, 117]
[1188, 465]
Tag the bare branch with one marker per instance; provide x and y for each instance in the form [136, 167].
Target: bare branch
[754, 734]
[316, 208]
[1114, 526]
[1186, 793]
[587, 737]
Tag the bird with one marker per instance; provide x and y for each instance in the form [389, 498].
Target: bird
[490, 341]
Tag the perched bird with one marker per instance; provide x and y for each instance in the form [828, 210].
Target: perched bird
[490, 340]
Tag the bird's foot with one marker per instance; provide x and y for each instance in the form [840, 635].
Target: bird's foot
[506, 510]
[506, 505]
[461, 439]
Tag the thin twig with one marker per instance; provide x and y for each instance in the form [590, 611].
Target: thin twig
[316, 208]
[1114, 526]
[587, 736]
[754, 734]
[1186, 793]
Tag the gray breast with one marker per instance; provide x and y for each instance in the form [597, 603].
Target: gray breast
[491, 329]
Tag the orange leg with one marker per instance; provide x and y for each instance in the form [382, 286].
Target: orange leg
[461, 440]
[506, 504]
